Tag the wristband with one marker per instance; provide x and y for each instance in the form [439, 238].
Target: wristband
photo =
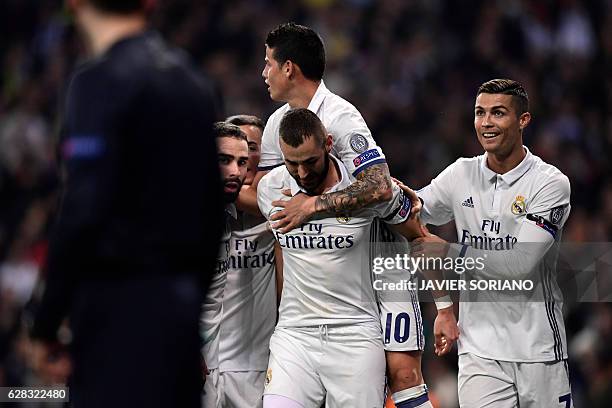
[443, 302]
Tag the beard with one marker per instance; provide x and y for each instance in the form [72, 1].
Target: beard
[231, 196]
[317, 178]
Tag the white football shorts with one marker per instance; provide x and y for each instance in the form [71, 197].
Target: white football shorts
[506, 384]
[341, 365]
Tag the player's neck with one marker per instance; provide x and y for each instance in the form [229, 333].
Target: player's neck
[303, 92]
[103, 30]
[503, 164]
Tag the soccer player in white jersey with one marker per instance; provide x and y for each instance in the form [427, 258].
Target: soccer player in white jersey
[327, 345]
[249, 299]
[233, 153]
[295, 62]
[511, 354]
[294, 66]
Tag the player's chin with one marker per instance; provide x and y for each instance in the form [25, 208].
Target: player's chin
[275, 96]
[310, 187]
[489, 145]
[230, 197]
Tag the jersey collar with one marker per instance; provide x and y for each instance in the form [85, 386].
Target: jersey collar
[511, 176]
[317, 98]
[344, 180]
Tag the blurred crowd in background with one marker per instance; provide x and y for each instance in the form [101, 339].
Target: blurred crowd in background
[411, 67]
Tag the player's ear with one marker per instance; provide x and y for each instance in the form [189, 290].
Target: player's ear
[328, 143]
[288, 69]
[524, 120]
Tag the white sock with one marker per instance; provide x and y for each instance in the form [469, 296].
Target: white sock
[415, 397]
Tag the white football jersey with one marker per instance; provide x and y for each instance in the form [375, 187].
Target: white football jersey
[212, 309]
[327, 274]
[249, 300]
[494, 214]
[352, 141]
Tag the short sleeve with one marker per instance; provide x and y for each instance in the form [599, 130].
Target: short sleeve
[271, 155]
[270, 189]
[264, 196]
[550, 206]
[396, 210]
[353, 142]
[437, 198]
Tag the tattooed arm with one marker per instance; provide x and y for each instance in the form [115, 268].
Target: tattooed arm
[373, 185]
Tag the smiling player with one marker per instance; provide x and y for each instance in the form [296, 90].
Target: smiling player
[511, 353]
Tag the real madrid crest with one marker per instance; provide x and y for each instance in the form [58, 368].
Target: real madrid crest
[343, 218]
[518, 206]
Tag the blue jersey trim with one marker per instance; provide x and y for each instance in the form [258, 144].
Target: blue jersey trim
[413, 403]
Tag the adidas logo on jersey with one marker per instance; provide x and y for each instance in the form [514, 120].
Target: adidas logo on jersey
[468, 203]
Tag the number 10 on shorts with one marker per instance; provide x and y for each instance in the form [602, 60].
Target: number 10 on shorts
[400, 327]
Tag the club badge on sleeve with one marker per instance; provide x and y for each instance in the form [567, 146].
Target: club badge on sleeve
[556, 214]
[358, 143]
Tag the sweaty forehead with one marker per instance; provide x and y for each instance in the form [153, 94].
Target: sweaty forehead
[487, 100]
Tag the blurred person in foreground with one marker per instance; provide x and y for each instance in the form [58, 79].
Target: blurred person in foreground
[138, 228]
[233, 156]
[509, 207]
[250, 296]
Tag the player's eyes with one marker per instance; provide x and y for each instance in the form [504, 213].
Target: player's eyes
[479, 113]
[498, 113]
[223, 160]
[242, 162]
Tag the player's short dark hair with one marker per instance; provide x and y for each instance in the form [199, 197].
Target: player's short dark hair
[299, 124]
[246, 120]
[119, 6]
[508, 87]
[300, 45]
[224, 129]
